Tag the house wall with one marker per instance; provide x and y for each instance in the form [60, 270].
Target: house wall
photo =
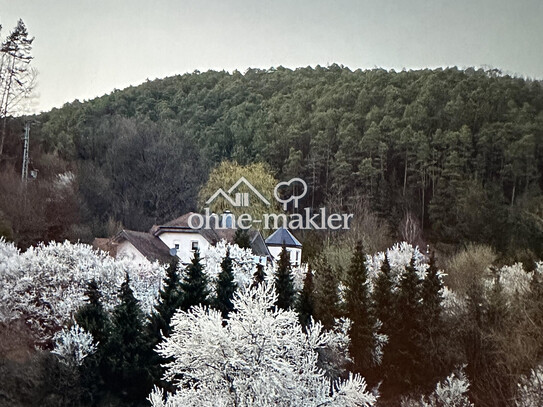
[185, 240]
[295, 254]
[126, 250]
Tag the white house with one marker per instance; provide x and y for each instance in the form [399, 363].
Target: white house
[176, 238]
[282, 237]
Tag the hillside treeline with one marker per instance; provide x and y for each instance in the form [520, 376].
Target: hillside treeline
[452, 155]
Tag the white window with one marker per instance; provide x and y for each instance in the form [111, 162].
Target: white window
[194, 245]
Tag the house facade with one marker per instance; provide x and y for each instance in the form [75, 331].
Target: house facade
[177, 238]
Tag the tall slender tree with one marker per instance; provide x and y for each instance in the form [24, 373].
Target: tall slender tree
[358, 310]
[327, 294]
[16, 75]
[226, 286]
[194, 287]
[306, 301]
[284, 281]
[127, 352]
[169, 300]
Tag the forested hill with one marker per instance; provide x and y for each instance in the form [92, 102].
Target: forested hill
[459, 150]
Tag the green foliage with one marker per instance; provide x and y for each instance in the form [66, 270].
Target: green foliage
[225, 286]
[242, 239]
[127, 350]
[326, 294]
[94, 319]
[460, 149]
[359, 310]
[194, 287]
[259, 275]
[306, 300]
[168, 302]
[406, 337]
[226, 174]
[284, 281]
[384, 298]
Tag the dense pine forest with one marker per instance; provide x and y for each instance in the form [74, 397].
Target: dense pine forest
[453, 155]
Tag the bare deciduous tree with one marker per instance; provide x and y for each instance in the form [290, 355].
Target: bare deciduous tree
[17, 77]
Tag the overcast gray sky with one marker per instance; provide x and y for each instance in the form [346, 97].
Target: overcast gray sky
[86, 48]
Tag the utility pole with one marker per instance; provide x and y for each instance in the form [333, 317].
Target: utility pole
[24, 171]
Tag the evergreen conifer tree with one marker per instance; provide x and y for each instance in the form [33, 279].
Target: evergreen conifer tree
[168, 301]
[405, 340]
[258, 276]
[327, 295]
[306, 303]
[225, 286]
[284, 281]
[358, 310]
[127, 350]
[432, 326]
[158, 326]
[194, 287]
[384, 297]
[242, 239]
[93, 318]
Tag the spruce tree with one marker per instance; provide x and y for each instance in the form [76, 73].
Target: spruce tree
[194, 287]
[225, 286]
[242, 239]
[432, 294]
[358, 310]
[158, 326]
[127, 350]
[405, 341]
[169, 300]
[384, 297]
[259, 276]
[284, 281]
[327, 295]
[306, 302]
[93, 318]
[431, 324]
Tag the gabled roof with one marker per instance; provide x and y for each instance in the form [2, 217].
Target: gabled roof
[147, 244]
[283, 237]
[258, 245]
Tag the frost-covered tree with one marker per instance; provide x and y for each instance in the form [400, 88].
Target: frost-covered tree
[530, 389]
[73, 345]
[194, 287]
[262, 357]
[284, 281]
[451, 392]
[243, 263]
[225, 287]
[46, 285]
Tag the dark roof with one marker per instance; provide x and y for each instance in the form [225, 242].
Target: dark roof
[147, 244]
[283, 237]
[258, 245]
